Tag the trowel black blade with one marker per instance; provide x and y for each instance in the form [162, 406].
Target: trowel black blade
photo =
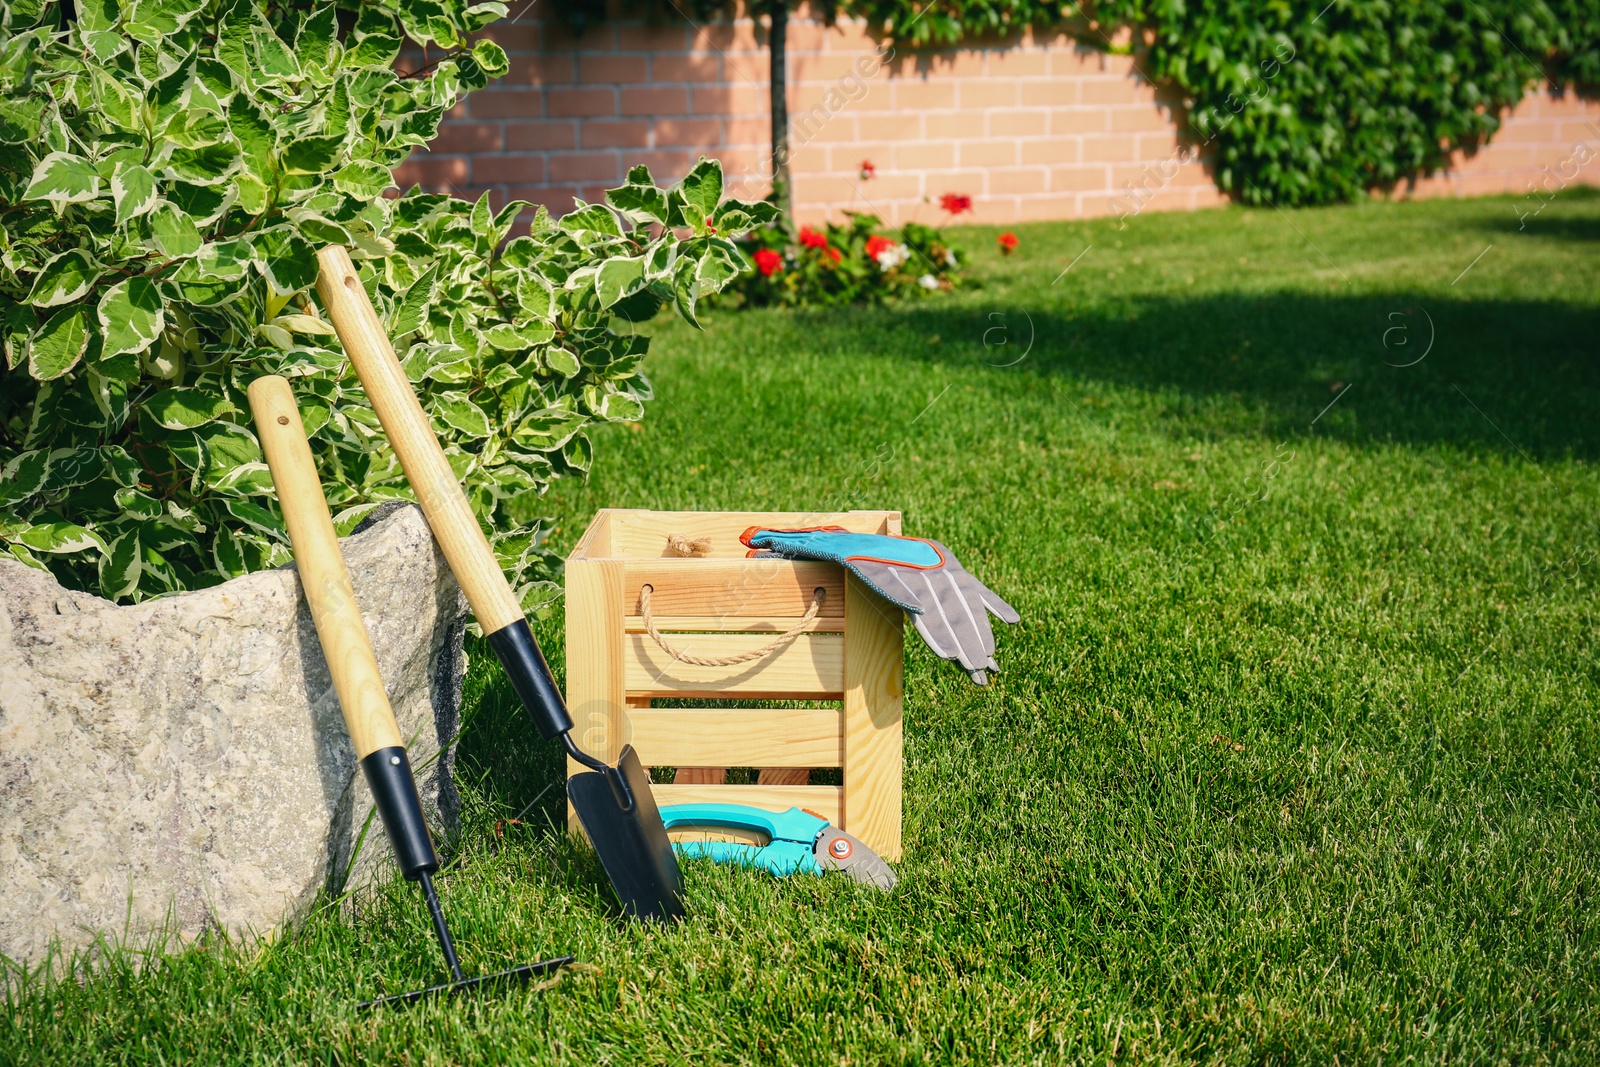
[515, 974]
[632, 845]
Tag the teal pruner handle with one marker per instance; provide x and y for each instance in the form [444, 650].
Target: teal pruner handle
[790, 836]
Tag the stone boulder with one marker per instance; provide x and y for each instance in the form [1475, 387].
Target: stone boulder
[182, 765]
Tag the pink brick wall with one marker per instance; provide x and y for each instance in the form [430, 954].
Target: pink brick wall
[1031, 128]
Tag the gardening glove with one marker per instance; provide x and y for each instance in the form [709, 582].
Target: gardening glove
[949, 607]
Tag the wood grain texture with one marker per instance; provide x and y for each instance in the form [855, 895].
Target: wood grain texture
[742, 588]
[824, 800]
[596, 695]
[323, 577]
[874, 683]
[699, 775]
[722, 737]
[411, 436]
[643, 534]
[733, 624]
[811, 667]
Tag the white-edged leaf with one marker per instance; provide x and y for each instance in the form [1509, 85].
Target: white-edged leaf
[65, 278]
[133, 190]
[63, 178]
[131, 316]
[59, 344]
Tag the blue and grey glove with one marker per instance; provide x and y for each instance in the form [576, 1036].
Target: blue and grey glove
[949, 607]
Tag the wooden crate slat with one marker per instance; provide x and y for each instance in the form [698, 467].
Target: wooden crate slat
[826, 800]
[733, 587]
[732, 624]
[811, 667]
[643, 534]
[746, 737]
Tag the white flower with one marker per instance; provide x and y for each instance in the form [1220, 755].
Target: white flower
[928, 281]
[892, 257]
[949, 258]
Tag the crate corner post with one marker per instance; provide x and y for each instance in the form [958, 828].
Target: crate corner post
[595, 681]
[874, 679]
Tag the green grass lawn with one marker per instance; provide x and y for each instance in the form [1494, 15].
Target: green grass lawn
[1293, 758]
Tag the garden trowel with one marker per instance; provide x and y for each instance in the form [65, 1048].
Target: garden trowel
[354, 669]
[615, 804]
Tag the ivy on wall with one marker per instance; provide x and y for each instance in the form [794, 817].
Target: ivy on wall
[1309, 103]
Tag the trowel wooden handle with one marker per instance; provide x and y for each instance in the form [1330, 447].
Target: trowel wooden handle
[323, 577]
[411, 436]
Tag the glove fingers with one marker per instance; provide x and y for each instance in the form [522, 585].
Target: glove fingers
[966, 624]
[976, 591]
[937, 636]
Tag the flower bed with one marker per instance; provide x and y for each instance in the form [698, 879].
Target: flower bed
[858, 262]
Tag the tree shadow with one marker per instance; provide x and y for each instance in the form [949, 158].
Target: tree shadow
[1500, 375]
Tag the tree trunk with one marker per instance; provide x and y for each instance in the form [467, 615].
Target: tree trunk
[777, 46]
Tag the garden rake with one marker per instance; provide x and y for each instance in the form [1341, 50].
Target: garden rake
[354, 669]
[615, 804]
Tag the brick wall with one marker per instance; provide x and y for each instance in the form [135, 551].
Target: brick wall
[1031, 128]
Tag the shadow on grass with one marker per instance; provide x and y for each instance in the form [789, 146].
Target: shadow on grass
[1499, 375]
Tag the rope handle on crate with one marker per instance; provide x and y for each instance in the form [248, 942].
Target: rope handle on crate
[817, 597]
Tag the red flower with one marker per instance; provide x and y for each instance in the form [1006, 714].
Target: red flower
[813, 238]
[877, 244]
[768, 262]
[1008, 243]
[834, 254]
[868, 171]
[955, 203]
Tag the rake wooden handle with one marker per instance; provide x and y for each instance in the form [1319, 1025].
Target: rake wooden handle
[411, 436]
[326, 583]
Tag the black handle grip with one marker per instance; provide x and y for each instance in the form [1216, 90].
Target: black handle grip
[530, 676]
[394, 788]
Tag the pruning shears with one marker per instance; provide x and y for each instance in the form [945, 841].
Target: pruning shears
[798, 842]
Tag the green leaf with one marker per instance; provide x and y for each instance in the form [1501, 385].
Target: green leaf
[411, 310]
[618, 278]
[639, 204]
[174, 232]
[460, 413]
[59, 344]
[196, 128]
[204, 166]
[312, 155]
[133, 191]
[286, 260]
[701, 188]
[63, 178]
[536, 298]
[225, 260]
[482, 217]
[258, 140]
[61, 537]
[24, 475]
[120, 566]
[363, 178]
[186, 408]
[65, 278]
[735, 216]
[315, 42]
[375, 51]
[563, 361]
[273, 59]
[490, 57]
[594, 218]
[131, 316]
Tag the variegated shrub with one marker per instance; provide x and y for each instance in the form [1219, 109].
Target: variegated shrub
[169, 168]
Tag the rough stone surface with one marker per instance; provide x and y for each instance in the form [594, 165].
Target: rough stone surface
[182, 765]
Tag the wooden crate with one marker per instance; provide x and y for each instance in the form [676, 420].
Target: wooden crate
[848, 662]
